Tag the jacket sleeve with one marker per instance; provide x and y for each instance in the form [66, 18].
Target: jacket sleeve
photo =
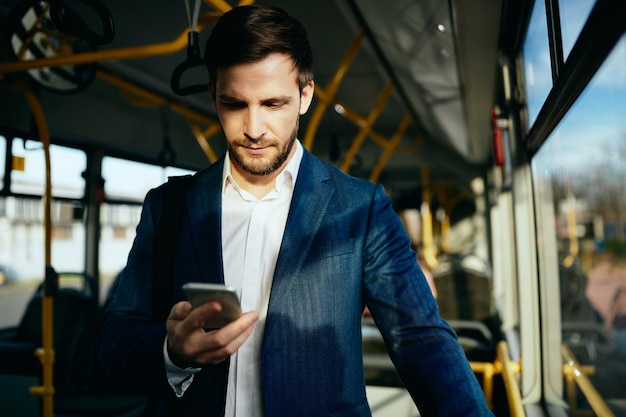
[422, 346]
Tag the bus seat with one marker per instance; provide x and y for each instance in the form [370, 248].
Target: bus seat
[478, 340]
[75, 324]
[464, 286]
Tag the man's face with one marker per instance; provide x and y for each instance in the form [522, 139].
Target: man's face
[259, 106]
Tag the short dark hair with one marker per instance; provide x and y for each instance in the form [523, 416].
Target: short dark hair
[248, 34]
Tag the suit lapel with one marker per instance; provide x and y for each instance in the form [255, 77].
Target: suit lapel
[309, 203]
[204, 207]
[311, 197]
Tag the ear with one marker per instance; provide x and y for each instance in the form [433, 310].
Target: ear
[212, 94]
[306, 97]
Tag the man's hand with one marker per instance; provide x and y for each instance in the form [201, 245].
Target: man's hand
[188, 344]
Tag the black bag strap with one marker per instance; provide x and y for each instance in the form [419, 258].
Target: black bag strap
[165, 244]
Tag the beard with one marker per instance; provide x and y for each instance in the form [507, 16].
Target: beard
[258, 165]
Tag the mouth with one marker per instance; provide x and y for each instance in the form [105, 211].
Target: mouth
[255, 149]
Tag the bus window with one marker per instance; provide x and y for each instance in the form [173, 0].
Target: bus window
[581, 174]
[22, 233]
[130, 181]
[573, 17]
[66, 165]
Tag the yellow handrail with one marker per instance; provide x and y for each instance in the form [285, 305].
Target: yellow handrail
[390, 146]
[327, 95]
[509, 371]
[575, 373]
[357, 142]
[488, 370]
[508, 368]
[193, 117]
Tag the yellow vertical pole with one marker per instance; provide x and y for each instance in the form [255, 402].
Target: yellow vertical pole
[46, 352]
[446, 244]
[427, 220]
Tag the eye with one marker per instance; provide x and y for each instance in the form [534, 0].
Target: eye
[273, 104]
[233, 105]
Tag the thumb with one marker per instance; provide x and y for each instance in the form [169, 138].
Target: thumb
[180, 310]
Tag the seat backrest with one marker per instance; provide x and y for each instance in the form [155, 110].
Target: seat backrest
[463, 294]
[75, 325]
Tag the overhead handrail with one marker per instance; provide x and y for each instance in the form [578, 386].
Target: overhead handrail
[132, 52]
[68, 21]
[193, 56]
[193, 117]
[193, 60]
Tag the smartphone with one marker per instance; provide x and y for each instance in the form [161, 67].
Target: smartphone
[199, 293]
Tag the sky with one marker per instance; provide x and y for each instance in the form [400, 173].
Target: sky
[595, 126]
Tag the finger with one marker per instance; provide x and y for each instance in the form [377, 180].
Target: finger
[219, 344]
[185, 332]
[234, 329]
[243, 324]
[199, 315]
[180, 310]
[241, 328]
[184, 321]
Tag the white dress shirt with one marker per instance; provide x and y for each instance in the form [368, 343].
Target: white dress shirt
[252, 232]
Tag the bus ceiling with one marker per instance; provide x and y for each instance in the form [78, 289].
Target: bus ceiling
[418, 87]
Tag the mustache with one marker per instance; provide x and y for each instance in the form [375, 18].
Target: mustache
[247, 143]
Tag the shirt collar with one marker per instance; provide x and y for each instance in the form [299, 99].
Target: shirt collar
[290, 172]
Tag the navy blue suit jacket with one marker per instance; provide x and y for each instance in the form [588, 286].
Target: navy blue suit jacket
[343, 248]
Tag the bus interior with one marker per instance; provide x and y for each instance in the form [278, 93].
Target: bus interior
[496, 127]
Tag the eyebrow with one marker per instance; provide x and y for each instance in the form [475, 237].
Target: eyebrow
[230, 99]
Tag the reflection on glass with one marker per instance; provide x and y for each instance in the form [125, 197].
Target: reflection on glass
[581, 169]
[537, 70]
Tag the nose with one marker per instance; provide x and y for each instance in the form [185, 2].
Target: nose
[254, 127]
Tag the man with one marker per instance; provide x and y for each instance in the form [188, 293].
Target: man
[307, 248]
